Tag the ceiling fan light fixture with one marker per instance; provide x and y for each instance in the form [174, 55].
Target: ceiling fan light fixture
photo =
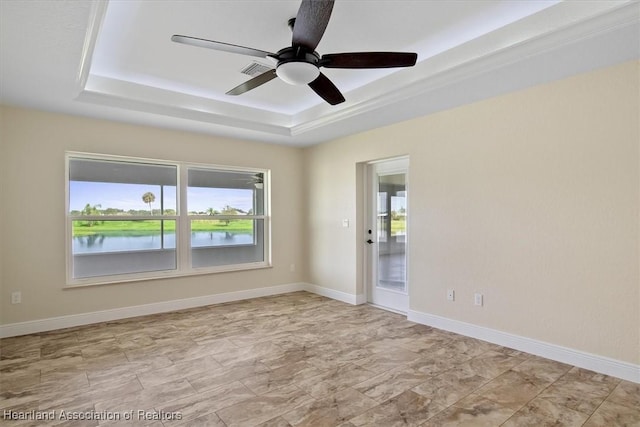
[299, 64]
[297, 72]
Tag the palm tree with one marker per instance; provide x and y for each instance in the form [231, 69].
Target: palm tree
[149, 198]
[91, 211]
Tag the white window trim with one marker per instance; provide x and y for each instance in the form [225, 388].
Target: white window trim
[183, 224]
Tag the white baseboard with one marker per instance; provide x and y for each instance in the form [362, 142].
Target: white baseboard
[353, 299]
[605, 365]
[69, 321]
[361, 299]
[53, 323]
[601, 364]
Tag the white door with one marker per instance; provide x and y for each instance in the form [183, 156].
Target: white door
[386, 234]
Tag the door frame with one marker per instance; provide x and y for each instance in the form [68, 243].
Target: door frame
[369, 217]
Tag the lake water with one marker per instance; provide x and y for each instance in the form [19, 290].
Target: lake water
[108, 243]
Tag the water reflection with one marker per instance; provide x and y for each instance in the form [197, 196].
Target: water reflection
[96, 243]
[90, 240]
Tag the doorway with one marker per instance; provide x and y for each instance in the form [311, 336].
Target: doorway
[386, 234]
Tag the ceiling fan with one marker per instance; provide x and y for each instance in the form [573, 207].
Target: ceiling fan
[299, 63]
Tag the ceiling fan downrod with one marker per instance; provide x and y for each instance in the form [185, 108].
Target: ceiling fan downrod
[299, 64]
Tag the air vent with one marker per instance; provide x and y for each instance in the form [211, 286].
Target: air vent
[255, 69]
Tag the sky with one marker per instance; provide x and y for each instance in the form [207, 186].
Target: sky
[129, 196]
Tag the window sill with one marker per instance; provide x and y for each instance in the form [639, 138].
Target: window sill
[158, 275]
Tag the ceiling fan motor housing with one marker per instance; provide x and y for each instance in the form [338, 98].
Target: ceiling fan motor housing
[296, 66]
[300, 64]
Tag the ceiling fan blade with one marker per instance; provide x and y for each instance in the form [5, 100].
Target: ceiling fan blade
[226, 47]
[327, 90]
[368, 60]
[253, 83]
[311, 21]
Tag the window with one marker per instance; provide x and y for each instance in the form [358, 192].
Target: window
[226, 216]
[131, 219]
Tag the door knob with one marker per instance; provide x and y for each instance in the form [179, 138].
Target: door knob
[370, 241]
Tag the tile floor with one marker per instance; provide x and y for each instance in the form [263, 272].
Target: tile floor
[294, 360]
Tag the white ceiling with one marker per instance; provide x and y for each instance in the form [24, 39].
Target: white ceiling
[115, 59]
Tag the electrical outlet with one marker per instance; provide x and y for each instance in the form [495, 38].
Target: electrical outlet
[451, 294]
[477, 299]
[16, 297]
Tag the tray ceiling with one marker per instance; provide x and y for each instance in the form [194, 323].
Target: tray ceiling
[115, 59]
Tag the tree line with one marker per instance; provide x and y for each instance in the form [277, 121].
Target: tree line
[96, 210]
[148, 198]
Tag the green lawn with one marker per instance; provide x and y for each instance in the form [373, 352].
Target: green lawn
[398, 225]
[147, 227]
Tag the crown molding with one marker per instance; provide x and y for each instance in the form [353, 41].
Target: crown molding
[452, 67]
[533, 36]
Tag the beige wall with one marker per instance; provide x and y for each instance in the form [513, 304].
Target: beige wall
[4, 294]
[33, 212]
[531, 198]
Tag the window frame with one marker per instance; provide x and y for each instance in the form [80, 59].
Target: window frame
[182, 223]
